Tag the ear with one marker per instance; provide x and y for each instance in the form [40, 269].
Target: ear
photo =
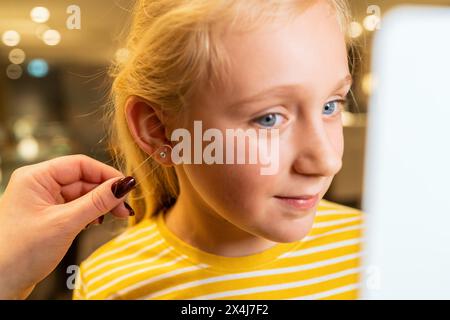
[146, 127]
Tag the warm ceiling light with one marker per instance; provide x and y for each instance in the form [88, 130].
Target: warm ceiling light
[368, 84]
[14, 71]
[371, 22]
[355, 30]
[40, 14]
[348, 119]
[28, 148]
[11, 38]
[122, 55]
[17, 56]
[51, 37]
[23, 127]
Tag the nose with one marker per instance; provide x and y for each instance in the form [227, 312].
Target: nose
[318, 151]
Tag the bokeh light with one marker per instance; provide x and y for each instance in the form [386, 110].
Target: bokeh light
[38, 68]
[355, 30]
[367, 84]
[40, 14]
[17, 56]
[51, 37]
[14, 71]
[28, 148]
[371, 22]
[122, 55]
[24, 127]
[11, 38]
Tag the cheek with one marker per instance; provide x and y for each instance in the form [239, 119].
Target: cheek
[233, 190]
[336, 136]
[229, 185]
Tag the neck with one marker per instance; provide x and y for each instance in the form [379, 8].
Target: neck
[194, 222]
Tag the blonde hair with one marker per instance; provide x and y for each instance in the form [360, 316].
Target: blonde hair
[174, 48]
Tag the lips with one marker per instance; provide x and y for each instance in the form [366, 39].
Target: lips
[304, 197]
[302, 202]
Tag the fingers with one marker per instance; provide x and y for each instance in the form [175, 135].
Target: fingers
[84, 187]
[99, 201]
[77, 189]
[69, 169]
[121, 211]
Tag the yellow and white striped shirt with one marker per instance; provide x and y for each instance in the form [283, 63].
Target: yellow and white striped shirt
[149, 262]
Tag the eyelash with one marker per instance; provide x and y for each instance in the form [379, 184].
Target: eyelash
[342, 102]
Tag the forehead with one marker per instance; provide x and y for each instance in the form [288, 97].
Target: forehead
[308, 50]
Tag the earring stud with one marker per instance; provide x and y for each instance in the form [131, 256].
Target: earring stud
[163, 153]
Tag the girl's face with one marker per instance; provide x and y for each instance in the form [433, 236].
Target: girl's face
[302, 68]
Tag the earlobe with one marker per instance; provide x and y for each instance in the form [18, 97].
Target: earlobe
[164, 155]
[146, 127]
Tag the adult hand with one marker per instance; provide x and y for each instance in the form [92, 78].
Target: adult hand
[43, 209]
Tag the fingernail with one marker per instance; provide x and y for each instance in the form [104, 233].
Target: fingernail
[123, 186]
[100, 219]
[88, 225]
[130, 209]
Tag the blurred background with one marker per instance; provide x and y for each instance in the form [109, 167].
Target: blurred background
[54, 57]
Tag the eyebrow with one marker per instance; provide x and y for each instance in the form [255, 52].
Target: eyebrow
[279, 90]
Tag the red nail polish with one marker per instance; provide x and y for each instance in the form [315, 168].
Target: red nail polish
[123, 186]
[129, 209]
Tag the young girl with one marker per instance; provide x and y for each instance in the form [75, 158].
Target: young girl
[225, 231]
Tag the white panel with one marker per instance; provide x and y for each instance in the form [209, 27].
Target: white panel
[406, 188]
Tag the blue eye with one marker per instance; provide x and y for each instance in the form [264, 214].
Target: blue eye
[269, 120]
[331, 107]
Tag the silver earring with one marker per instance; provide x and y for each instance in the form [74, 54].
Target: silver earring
[163, 153]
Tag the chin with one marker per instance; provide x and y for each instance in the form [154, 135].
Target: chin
[291, 230]
[287, 237]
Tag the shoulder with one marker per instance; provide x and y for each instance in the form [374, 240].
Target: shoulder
[124, 247]
[113, 265]
[131, 236]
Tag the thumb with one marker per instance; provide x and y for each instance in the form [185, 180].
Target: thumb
[100, 200]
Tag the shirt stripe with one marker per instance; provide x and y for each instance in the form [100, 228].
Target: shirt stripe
[148, 262]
